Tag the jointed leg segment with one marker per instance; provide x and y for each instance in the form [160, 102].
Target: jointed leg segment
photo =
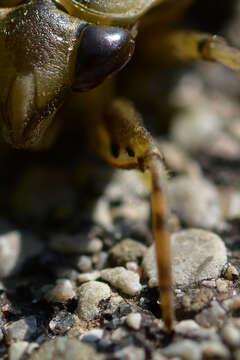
[121, 139]
[193, 45]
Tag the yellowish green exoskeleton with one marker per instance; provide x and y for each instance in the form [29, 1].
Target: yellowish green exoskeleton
[52, 50]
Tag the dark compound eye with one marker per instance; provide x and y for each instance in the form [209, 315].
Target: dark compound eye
[103, 51]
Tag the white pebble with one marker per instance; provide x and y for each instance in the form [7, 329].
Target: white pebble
[89, 296]
[185, 326]
[194, 128]
[62, 291]
[231, 304]
[134, 321]
[196, 201]
[22, 329]
[186, 349]
[131, 353]
[122, 279]
[196, 255]
[214, 349]
[231, 335]
[94, 275]
[16, 350]
[223, 285]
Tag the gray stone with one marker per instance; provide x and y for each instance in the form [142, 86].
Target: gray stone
[193, 129]
[196, 255]
[186, 349]
[196, 201]
[127, 250]
[15, 249]
[122, 279]
[74, 244]
[89, 296]
[62, 291]
[113, 304]
[215, 315]
[63, 348]
[19, 330]
[96, 333]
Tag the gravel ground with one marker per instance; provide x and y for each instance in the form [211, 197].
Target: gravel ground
[77, 265]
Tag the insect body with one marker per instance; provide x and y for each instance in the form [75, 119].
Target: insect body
[52, 48]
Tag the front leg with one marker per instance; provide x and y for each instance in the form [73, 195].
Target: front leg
[122, 140]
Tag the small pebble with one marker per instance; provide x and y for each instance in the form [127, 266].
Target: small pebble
[215, 349]
[119, 334]
[194, 128]
[224, 146]
[17, 349]
[99, 260]
[215, 315]
[223, 285]
[186, 326]
[94, 275]
[211, 284]
[130, 353]
[231, 335]
[134, 321]
[65, 349]
[186, 349]
[61, 323]
[84, 263]
[233, 208]
[132, 266]
[89, 296]
[196, 299]
[95, 333]
[113, 304]
[196, 255]
[15, 249]
[179, 161]
[196, 201]
[231, 273]
[127, 250]
[158, 356]
[122, 279]
[74, 244]
[231, 304]
[63, 291]
[19, 330]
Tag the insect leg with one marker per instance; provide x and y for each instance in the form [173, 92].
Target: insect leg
[193, 45]
[122, 140]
